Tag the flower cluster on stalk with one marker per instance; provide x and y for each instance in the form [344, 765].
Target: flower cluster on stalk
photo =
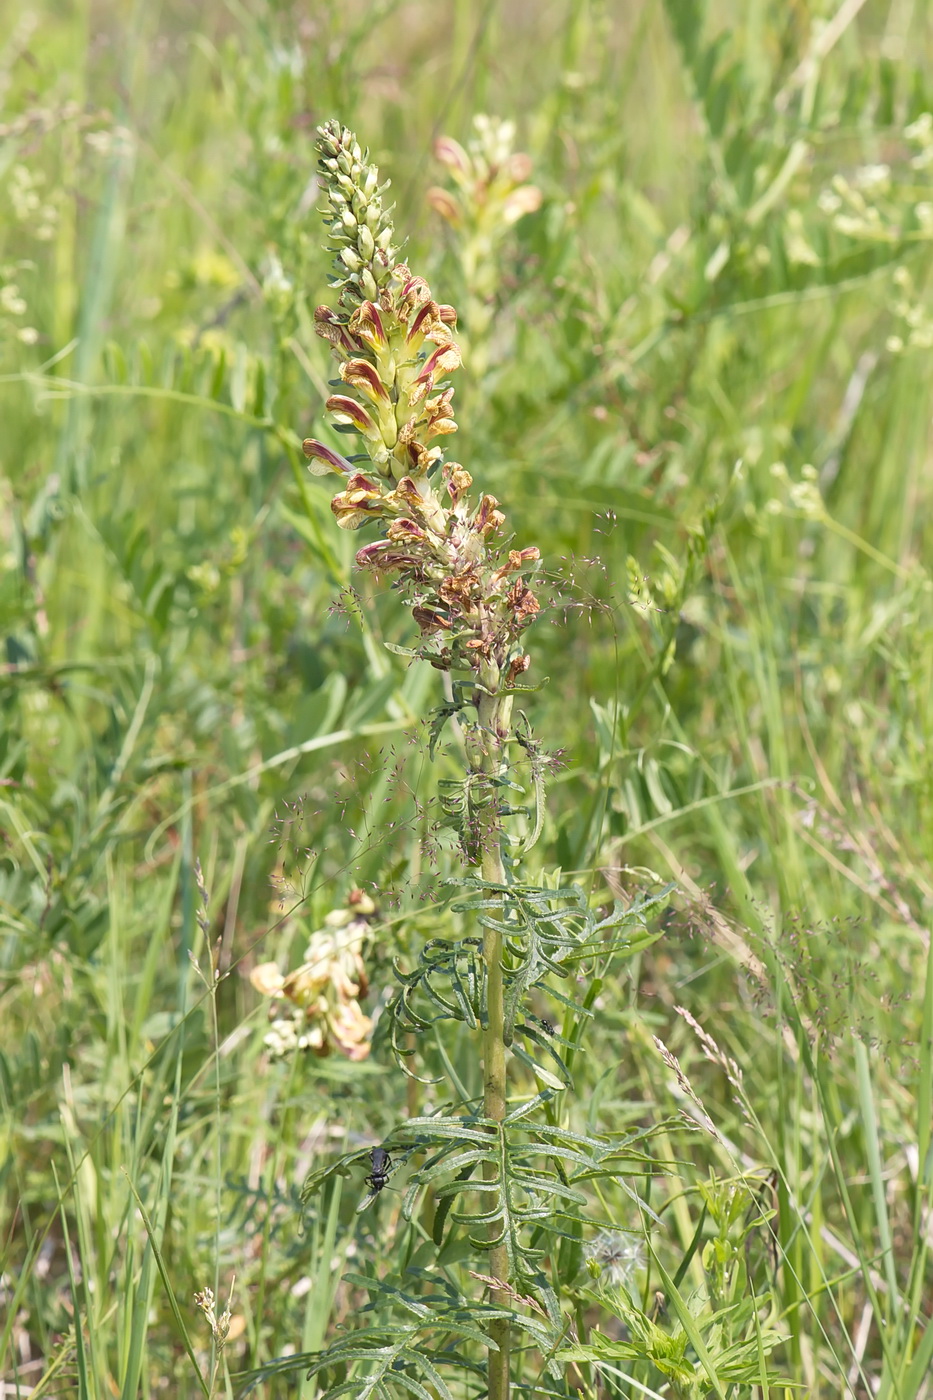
[394, 346]
[317, 1007]
[492, 185]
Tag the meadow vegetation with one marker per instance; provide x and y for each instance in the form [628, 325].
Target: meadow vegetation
[696, 374]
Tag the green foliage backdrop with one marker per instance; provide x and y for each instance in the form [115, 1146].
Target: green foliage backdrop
[703, 390]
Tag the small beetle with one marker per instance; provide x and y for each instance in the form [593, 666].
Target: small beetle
[382, 1166]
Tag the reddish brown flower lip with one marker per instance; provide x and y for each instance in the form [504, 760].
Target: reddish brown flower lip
[366, 322]
[320, 452]
[428, 312]
[362, 375]
[342, 406]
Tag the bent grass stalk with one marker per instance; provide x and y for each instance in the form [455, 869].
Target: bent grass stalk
[394, 346]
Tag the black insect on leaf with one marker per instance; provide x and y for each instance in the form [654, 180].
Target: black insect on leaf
[378, 1179]
[382, 1167]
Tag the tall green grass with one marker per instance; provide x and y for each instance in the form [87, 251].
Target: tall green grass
[721, 280]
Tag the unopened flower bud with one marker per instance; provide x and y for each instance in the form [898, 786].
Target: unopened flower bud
[365, 242]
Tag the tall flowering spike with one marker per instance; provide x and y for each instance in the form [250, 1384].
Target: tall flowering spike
[394, 347]
[392, 341]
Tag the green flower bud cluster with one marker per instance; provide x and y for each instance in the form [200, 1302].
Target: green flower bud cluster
[361, 229]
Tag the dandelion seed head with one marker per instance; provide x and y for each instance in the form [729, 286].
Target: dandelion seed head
[614, 1257]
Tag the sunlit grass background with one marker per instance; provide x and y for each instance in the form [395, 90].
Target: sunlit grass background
[710, 356]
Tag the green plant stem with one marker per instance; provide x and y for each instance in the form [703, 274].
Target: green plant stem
[486, 758]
